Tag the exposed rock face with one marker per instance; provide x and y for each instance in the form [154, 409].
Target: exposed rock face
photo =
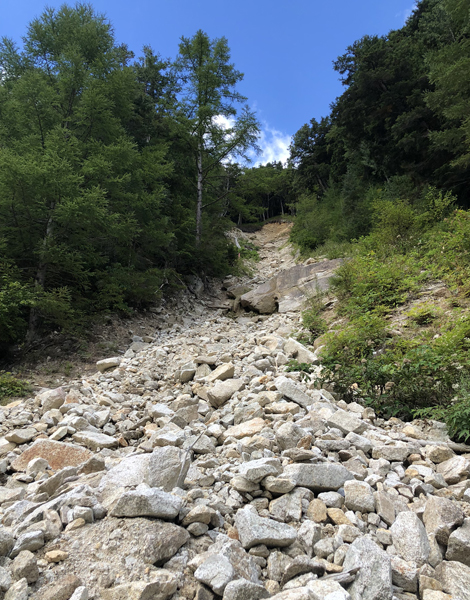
[288, 290]
[196, 466]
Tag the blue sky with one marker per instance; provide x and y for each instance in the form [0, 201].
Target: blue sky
[285, 49]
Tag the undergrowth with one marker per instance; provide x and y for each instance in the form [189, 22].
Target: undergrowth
[10, 386]
[423, 370]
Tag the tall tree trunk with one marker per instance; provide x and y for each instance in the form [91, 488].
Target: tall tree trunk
[39, 283]
[199, 196]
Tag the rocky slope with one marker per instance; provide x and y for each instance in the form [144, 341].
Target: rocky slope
[194, 466]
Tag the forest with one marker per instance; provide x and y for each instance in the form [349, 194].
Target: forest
[120, 174]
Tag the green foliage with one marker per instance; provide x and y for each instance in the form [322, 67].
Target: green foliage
[12, 386]
[293, 366]
[248, 251]
[424, 314]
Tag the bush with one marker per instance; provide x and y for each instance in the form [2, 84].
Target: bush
[11, 386]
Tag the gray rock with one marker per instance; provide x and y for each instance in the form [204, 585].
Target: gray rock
[256, 470]
[223, 391]
[331, 499]
[94, 440]
[147, 502]
[108, 363]
[347, 422]
[18, 591]
[410, 539]
[254, 530]
[360, 442]
[308, 535]
[290, 390]
[241, 589]
[391, 453]
[223, 372]
[441, 516]
[51, 399]
[374, 580]
[31, 540]
[454, 470]
[318, 477]
[81, 593]
[25, 565]
[62, 589]
[299, 351]
[166, 465]
[7, 541]
[288, 435]
[359, 496]
[21, 436]
[5, 580]
[385, 507]
[216, 572]
[455, 579]
[187, 372]
[162, 588]
[288, 507]
[327, 590]
[404, 574]
[458, 547]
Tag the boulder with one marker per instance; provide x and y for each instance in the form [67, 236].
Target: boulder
[57, 454]
[254, 530]
[374, 578]
[322, 477]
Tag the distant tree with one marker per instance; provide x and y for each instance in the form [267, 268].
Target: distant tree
[216, 130]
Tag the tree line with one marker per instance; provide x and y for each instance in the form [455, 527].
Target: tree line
[401, 126]
[116, 172]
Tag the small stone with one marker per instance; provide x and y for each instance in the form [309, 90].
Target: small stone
[241, 589]
[318, 477]
[21, 436]
[30, 540]
[317, 511]
[455, 469]
[327, 590]
[166, 467]
[256, 470]
[248, 429]
[51, 399]
[7, 541]
[347, 422]
[55, 556]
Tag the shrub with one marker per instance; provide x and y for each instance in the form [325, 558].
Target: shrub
[11, 386]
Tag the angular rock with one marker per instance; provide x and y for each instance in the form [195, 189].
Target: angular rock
[57, 454]
[216, 572]
[21, 436]
[94, 440]
[51, 399]
[161, 589]
[223, 372]
[347, 422]
[290, 390]
[7, 541]
[254, 530]
[166, 466]
[391, 453]
[18, 591]
[30, 540]
[108, 363]
[458, 547]
[241, 589]
[147, 502]
[455, 579]
[321, 477]
[374, 579]
[441, 516]
[455, 469]
[25, 565]
[62, 589]
[247, 429]
[256, 470]
[223, 391]
[404, 574]
[327, 590]
[410, 539]
[359, 496]
[299, 351]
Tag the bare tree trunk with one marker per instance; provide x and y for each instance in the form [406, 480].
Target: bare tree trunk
[39, 283]
[199, 196]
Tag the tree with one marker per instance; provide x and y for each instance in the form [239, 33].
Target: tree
[216, 130]
[79, 201]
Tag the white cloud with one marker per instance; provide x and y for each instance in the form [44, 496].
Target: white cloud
[405, 14]
[274, 145]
